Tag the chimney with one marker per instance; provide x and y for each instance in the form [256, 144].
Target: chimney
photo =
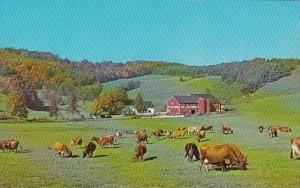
[201, 106]
[208, 102]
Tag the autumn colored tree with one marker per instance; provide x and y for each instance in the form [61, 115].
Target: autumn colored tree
[17, 104]
[110, 102]
[139, 103]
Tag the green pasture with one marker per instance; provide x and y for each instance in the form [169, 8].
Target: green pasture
[164, 164]
[159, 88]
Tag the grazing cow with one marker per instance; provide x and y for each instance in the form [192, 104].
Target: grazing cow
[295, 147]
[226, 129]
[192, 130]
[89, 149]
[140, 150]
[261, 129]
[223, 155]
[285, 129]
[178, 133]
[61, 149]
[141, 136]
[76, 141]
[168, 133]
[206, 128]
[4, 144]
[182, 128]
[275, 127]
[158, 132]
[272, 132]
[191, 150]
[118, 134]
[10, 145]
[200, 135]
[104, 140]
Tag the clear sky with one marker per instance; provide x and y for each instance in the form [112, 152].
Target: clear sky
[192, 32]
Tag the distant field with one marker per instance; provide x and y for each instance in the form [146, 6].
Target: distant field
[276, 102]
[3, 99]
[164, 165]
[159, 88]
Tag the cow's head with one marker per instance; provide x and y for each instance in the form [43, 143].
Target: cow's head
[84, 154]
[242, 162]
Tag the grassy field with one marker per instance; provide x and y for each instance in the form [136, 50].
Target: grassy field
[159, 88]
[164, 165]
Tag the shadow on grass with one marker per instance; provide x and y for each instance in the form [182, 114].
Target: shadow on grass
[74, 156]
[207, 139]
[150, 158]
[115, 147]
[24, 151]
[234, 168]
[98, 156]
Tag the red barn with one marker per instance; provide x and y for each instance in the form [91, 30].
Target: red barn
[193, 104]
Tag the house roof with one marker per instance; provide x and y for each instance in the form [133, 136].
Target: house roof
[187, 99]
[224, 102]
[213, 99]
[148, 104]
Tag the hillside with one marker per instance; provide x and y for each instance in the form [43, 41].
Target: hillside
[276, 102]
[159, 88]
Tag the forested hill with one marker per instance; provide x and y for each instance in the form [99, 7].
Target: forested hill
[47, 69]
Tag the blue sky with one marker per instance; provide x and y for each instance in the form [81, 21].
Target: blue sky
[192, 32]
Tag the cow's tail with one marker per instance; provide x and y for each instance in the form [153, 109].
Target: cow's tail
[292, 154]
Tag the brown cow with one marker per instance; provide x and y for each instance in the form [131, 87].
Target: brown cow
[104, 140]
[272, 131]
[285, 129]
[141, 136]
[295, 147]
[200, 135]
[223, 155]
[89, 149]
[158, 133]
[178, 133]
[61, 149]
[76, 141]
[206, 128]
[191, 150]
[10, 145]
[226, 129]
[140, 150]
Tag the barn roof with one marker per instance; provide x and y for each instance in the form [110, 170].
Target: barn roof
[207, 96]
[187, 99]
[148, 104]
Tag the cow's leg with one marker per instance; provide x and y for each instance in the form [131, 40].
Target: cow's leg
[292, 154]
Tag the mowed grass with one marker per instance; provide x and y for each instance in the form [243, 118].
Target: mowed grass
[159, 88]
[164, 164]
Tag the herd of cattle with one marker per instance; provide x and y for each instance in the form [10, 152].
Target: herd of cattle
[223, 155]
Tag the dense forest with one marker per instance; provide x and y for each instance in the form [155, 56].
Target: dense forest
[23, 73]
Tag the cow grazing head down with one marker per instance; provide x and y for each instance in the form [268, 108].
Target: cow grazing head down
[89, 150]
[191, 150]
[140, 150]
